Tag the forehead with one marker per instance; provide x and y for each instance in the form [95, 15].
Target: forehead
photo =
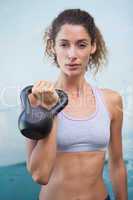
[72, 32]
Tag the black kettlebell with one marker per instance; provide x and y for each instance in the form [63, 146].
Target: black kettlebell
[36, 122]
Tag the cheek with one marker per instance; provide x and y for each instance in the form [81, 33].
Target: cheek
[85, 57]
[60, 59]
[60, 55]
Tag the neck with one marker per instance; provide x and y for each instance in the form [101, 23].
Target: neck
[72, 85]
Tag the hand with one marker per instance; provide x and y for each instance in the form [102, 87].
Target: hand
[45, 94]
[36, 123]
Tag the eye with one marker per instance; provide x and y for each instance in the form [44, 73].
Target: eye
[82, 46]
[63, 45]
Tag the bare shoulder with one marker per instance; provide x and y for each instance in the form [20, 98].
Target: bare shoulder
[113, 100]
[112, 95]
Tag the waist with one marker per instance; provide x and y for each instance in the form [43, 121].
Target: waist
[75, 190]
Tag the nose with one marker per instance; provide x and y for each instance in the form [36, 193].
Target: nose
[72, 54]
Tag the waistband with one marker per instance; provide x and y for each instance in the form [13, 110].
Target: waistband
[108, 197]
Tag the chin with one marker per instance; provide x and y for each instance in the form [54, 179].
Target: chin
[73, 74]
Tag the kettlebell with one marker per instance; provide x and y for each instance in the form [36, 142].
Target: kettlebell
[36, 122]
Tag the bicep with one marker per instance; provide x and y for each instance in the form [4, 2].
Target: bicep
[115, 146]
[30, 144]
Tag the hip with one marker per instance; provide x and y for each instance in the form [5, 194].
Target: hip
[79, 190]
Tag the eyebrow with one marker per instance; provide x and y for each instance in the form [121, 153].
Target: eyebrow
[80, 40]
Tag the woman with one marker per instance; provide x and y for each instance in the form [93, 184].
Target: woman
[69, 162]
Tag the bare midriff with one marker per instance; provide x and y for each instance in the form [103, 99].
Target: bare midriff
[76, 176]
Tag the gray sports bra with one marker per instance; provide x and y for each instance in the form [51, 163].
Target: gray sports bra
[85, 134]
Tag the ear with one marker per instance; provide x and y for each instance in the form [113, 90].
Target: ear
[52, 47]
[93, 48]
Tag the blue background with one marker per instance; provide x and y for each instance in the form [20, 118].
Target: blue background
[22, 62]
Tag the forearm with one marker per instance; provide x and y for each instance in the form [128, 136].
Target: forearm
[118, 175]
[43, 157]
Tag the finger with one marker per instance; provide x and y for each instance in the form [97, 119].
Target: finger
[43, 89]
[35, 87]
[43, 86]
[47, 87]
[38, 83]
[39, 87]
[35, 90]
[51, 87]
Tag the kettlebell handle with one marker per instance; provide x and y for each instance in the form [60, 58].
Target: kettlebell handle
[24, 98]
[63, 100]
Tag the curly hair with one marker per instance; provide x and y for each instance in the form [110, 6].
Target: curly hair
[77, 17]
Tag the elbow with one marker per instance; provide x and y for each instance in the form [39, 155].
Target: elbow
[39, 176]
[118, 164]
[40, 179]
[118, 168]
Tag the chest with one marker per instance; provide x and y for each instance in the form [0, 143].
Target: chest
[88, 134]
[84, 125]
[80, 107]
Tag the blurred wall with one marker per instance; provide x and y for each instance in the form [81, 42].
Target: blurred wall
[22, 62]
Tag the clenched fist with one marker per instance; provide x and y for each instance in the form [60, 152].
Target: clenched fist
[44, 94]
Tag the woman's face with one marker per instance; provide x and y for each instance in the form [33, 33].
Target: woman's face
[73, 48]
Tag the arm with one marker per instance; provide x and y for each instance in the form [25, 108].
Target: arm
[42, 153]
[118, 173]
[41, 156]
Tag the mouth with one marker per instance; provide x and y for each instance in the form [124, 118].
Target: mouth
[73, 66]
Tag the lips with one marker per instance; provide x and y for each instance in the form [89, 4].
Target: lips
[73, 65]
